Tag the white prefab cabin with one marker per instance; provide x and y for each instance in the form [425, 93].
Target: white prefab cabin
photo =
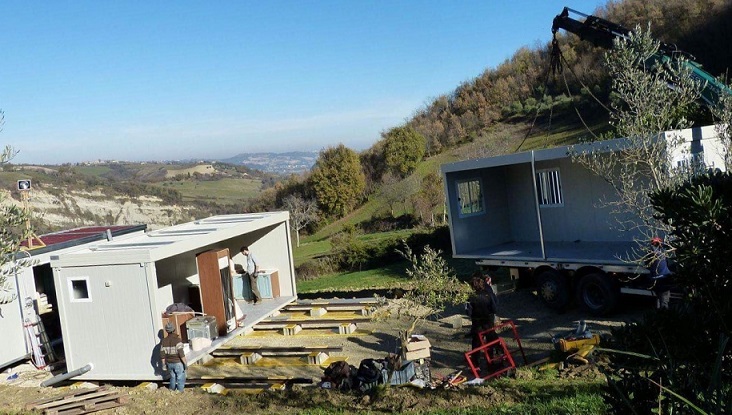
[112, 294]
[539, 207]
[30, 295]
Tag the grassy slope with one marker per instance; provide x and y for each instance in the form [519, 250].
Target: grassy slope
[222, 191]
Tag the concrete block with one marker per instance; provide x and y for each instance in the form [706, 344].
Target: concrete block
[291, 329]
[317, 358]
[456, 321]
[147, 385]
[346, 328]
[317, 311]
[277, 387]
[204, 359]
[249, 358]
[247, 331]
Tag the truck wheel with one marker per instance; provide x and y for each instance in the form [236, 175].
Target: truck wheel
[553, 290]
[597, 294]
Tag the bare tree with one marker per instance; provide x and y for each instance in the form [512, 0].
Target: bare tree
[302, 213]
[392, 192]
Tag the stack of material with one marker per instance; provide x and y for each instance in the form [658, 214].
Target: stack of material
[418, 347]
[80, 402]
[43, 305]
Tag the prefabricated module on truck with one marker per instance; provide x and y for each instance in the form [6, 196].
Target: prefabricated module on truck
[541, 215]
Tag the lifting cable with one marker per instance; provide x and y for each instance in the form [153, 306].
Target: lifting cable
[536, 115]
[557, 58]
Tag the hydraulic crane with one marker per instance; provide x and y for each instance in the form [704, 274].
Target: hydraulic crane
[602, 33]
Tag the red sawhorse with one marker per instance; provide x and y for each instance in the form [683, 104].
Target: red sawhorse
[504, 361]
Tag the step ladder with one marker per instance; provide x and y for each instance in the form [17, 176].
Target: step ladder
[41, 348]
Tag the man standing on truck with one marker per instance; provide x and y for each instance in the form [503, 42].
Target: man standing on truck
[660, 274]
[249, 270]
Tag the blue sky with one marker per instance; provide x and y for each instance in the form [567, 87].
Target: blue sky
[162, 80]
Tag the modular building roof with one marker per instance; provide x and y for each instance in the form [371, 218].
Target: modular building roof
[55, 241]
[164, 243]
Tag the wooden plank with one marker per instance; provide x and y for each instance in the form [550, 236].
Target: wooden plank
[68, 395]
[89, 405]
[97, 407]
[71, 400]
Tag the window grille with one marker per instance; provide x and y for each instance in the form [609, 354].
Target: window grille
[549, 188]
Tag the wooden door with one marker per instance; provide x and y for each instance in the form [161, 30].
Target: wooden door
[217, 296]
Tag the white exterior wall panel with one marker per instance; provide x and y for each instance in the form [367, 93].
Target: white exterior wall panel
[113, 328]
[11, 326]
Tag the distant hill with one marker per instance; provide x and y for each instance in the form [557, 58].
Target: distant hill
[280, 163]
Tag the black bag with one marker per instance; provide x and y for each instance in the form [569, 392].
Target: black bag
[370, 371]
[340, 374]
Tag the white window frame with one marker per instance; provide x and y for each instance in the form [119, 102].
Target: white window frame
[480, 200]
[72, 298]
[549, 188]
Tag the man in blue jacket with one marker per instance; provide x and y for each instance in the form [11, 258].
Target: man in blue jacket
[660, 273]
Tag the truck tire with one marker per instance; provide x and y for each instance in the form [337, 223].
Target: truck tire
[553, 289]
[597, 294]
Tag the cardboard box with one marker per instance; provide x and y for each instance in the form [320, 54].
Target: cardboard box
[417, 342]
[418, 354]
[179, 320]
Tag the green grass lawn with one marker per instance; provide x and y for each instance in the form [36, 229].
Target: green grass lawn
[391, 276]
[224, 191]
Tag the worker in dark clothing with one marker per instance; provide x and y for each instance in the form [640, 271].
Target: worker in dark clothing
[173, 358]
[481, 308]
[660, 274]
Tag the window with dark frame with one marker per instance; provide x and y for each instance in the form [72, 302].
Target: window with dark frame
[549, 188]
[470, 197]
[79, 289]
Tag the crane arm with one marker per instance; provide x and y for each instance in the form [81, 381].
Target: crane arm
[602, 33]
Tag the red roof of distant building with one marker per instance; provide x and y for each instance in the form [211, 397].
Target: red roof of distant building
[82, 235]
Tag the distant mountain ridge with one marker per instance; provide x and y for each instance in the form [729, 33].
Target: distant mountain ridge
[281, 163]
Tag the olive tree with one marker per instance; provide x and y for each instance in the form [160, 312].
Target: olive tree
[643, 109]
[432, 287]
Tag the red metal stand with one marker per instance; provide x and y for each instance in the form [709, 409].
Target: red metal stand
[502, 363]
[497, 328]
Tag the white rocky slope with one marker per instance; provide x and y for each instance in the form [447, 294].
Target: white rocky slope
[70, 209]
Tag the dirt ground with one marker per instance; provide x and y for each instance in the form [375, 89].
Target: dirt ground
[536, 324]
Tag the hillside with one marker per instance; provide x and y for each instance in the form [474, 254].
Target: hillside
[156, 194]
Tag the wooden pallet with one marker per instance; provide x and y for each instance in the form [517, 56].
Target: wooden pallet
[79, 402]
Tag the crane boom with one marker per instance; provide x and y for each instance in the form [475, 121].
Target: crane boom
[602, 33]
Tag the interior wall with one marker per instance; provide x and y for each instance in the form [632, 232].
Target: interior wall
[520, 202]
[271, 248]
[489, 228]
[179, 272]
[585, 215]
